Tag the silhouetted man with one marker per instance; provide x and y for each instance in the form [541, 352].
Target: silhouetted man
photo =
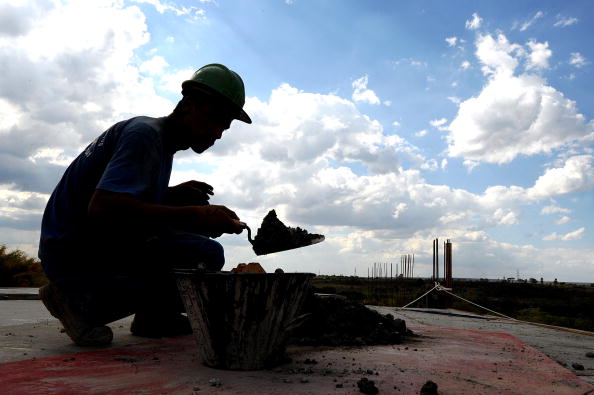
[113, 228]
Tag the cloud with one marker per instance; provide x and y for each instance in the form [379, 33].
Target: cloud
[474, 23]
[451, 41]
[52, 74]
[513, 115]
[439, 123]
[421, 133]
[575, 235]
[530, 22]
[465, 65]
[564, 21]
[554, 210]
[362, 94]
[194, 12]
[577, 60]
[539, 55]
[563, 220]
[155, 66]
[576, 175]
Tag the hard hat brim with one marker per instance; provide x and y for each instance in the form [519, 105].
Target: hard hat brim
[190, 86]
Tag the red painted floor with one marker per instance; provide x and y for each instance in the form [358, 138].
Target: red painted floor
[459, 361]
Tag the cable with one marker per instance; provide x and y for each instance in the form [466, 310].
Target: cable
[436, 285]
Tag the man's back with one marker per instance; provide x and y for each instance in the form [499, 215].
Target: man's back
[129, 157]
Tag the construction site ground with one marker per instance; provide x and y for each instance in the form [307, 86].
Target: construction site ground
[462, 353]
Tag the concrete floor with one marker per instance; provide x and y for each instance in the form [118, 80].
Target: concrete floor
[477, 353]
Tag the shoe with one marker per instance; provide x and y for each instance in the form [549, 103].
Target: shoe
[147, 325]
[81, 333]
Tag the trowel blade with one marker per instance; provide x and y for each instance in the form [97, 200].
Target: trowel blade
[274, 236]
[263, 251]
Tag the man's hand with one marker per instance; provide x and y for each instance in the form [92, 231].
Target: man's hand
[214, 220]
[189, 193]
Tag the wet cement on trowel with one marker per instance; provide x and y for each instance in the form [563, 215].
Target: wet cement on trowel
[274, 236]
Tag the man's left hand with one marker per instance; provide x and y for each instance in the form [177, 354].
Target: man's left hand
[189, 193]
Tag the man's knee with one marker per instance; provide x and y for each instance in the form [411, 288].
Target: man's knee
[216, 258]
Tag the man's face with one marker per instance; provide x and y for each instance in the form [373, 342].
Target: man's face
[205, 126]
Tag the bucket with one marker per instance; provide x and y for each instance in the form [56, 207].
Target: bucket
[241, 321]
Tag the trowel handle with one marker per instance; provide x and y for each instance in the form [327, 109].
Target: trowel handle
[245, 226]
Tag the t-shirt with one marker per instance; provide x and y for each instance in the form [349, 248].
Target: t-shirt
[130, 157]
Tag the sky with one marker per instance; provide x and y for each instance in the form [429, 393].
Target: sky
[382, 125]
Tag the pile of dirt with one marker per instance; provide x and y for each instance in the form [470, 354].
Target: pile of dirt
[274, 236]
[337, 321]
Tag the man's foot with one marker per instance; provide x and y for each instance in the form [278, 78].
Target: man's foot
[148, 325]
[81, 333]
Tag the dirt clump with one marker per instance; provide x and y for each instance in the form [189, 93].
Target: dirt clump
[367, 386]
[429, 388]
[274, 236]
[336, 321]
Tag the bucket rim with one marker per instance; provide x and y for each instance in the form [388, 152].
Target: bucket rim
[202, 273]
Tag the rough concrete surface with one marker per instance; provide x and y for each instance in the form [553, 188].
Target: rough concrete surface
[460, 354]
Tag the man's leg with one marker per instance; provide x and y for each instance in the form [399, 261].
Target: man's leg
[117, 283]
[157, 317]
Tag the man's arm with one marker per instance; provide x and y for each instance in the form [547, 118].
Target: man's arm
[124, 209]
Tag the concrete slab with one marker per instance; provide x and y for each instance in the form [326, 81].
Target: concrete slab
[462, 354]
[459, 361]
[19, 293]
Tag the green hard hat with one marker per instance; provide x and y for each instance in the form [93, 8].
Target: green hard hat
[222, 82]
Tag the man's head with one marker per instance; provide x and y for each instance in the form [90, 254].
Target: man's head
[212, 99]
[217, 80]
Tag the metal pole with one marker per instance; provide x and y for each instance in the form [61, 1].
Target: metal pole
[437, 260]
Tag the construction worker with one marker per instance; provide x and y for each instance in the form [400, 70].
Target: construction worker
[113, 228]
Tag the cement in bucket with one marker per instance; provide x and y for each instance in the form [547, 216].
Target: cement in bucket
[241, 321]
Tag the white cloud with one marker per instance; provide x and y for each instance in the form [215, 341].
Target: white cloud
[563, 220]
[564, 21]
[575, 235]
[454, 99]
[362, 94]
[421, 133]
[539, 55]
[474, 23]
[512, 115]
[396, 124]
[439, 123]
[576, 175]
[161, 7]
[554, 210]
[451, 41]
[577, 60]
[171, 82]
[465, 65]
[77, 85]
[530, 22]
[155, 66]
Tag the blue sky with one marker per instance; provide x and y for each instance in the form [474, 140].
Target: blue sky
[382, 125]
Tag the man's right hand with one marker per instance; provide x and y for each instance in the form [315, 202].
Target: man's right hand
[214, 220]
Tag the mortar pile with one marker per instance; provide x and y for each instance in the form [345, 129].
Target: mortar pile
[274, 236]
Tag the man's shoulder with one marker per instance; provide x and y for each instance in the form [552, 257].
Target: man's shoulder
[142, 127]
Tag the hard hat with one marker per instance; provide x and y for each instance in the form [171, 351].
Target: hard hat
[222, 82]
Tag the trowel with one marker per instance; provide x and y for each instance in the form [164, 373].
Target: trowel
[274, 236]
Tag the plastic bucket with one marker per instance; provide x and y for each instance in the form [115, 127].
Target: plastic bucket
[241, 321]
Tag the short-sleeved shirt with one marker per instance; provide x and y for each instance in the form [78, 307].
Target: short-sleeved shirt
[130, 157]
